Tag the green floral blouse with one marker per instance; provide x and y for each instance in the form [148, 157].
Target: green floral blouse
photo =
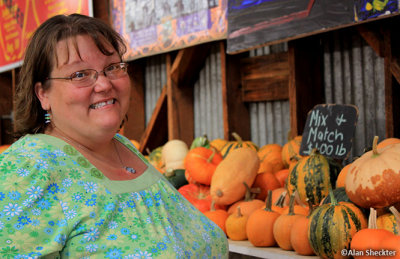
[55, 204]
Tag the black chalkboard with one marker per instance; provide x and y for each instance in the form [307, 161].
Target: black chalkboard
[330, 129]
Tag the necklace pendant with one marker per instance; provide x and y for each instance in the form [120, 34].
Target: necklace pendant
[130, 169]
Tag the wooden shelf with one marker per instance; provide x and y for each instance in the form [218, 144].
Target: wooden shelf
[246, 248]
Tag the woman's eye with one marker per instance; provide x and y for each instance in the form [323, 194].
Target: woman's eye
[79, 75]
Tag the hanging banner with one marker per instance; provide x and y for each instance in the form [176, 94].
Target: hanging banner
[152, 27]
[20, 18]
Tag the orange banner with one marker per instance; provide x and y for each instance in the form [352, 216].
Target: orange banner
[20, 18]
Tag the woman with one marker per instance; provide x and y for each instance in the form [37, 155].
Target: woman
[72, 187]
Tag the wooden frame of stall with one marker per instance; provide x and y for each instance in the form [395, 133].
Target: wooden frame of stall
[295, 75]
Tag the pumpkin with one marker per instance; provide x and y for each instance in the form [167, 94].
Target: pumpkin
[199, 196]
[312, 177]
[218, 216]
[201, 162]
[341, 195]
[373, 179]
[200, 142]
[238, 143]
[369, 238]
[239, 166]
[388, 221]
[283, 226]
[387, 142]
[265, 182]
[4, 148]
[173, 154]
[299, 234]
[176, 177]
[218, 143]
[270, 158]
[135, 143]
[282, 176]
[291, 150]
[248, 204]
[155, 157]
[280, 195]
[345, 219]
[391, 243]
[259, 226]
[235, 226]
[341, 179]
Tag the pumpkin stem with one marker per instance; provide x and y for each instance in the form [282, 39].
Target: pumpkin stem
[375, 145]
[239, 213]
[169, 172]
[291, 203]
[247, 196]
[219, 193]
[333, 199]
[148, 151]
[212, 206]
[268, 203]
[314, 151]
[212, 155]
[237, 138]
[281, 199]
[372, 219]
[310, 208]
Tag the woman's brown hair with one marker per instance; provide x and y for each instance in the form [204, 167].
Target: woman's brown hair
[39, 60]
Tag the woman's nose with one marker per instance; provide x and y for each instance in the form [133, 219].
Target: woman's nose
[103, 83]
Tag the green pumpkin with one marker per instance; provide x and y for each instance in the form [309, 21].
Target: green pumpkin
[341, 195]
[332, 227]
[176, 177]
[200, 142]
[313, 176]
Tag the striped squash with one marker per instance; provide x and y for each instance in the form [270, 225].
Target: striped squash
[388, 221]
[312, 177]
[237, 143]
[291, 150]
[332, 227]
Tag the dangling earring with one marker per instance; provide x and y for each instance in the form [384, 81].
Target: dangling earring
[47, 118]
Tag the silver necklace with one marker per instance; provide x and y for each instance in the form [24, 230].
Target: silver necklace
[128, 169]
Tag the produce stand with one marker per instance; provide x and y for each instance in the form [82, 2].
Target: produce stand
[246, 248]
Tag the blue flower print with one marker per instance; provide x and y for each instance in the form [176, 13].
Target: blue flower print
[23, 172]
[114, 253]
[61, 238]
[44, 204]
[36, 212]
[91, 248]
[78, 197]
[112, 225]
[14, 195]
[67, 182]
[92, 235]
[53, 188]
[12, 209]
[112, 237]
[2, 196]
[41, 164]
[110, 206]
[90, 187]
[48, 231]
[35, 192]
[24, 220]
[161, 246]
[90, 202]
[125, 231]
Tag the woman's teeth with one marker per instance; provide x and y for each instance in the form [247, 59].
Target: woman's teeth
[102, 104]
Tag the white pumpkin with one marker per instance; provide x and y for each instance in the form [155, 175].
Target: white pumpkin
[173, 154]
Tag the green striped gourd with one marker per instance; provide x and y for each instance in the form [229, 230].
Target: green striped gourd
[237, 143]
[312, 177]
[332, 227]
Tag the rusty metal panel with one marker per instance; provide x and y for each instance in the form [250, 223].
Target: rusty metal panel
[354, 74]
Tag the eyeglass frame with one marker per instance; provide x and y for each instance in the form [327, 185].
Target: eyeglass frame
[123, 65]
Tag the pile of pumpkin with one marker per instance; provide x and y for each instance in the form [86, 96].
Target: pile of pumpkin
[272, 196]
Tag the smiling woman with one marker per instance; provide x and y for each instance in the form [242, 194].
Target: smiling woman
[71, 186]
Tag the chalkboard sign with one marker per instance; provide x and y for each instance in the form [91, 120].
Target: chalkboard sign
[330, 129]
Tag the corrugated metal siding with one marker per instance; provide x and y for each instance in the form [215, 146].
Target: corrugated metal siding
[208, 117]
[269, 121]
[155, 79]
[354, 74]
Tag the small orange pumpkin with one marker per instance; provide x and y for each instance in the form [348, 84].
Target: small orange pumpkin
[235, 226]
[218, 216]
[265, 181]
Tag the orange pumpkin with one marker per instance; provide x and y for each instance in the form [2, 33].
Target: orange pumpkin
[265, 181]
[218, 143]
[237, 143]
[235, 226]
[340, 181]
[259, 227]
[200, 163]
[218, 216]
[369, 238]
[4, 147]
[373, 180]
[391, 243]
[299, 234]
[247, 205]
[199, 196]
[387, 142]
[270, 158]
[282, 176]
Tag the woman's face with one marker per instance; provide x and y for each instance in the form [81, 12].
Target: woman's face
[89, 112]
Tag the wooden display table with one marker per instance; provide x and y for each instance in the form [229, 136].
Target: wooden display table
[246, 248]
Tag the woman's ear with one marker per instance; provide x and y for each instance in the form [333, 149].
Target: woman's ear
[43, 96]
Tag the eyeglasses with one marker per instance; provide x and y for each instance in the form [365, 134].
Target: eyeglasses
[88, 77]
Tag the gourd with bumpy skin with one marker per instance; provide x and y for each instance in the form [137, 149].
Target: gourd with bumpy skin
[241, 165]
[373, 180]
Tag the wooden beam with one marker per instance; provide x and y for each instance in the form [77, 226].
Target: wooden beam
[156, 133]
[136, 123]
[235, 112]
[395, 69]
[373, 37]
[101, 10]
[6, 93]
[305, 80]
[187, 64]
[180, 102]
[265, 78]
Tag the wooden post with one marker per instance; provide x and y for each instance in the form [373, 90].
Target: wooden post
[305, 80]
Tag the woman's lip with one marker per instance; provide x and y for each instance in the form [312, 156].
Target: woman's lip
[102, 103]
